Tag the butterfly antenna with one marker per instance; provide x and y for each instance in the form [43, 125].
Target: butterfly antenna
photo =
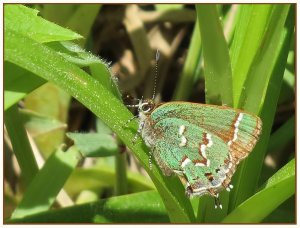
[157, 55]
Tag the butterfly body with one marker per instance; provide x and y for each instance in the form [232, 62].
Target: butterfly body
[200, 143]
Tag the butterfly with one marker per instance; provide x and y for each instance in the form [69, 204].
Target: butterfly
[201, 143]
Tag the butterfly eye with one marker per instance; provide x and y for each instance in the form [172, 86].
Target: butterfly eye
[146, 108]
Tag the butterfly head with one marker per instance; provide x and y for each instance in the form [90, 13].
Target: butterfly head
[146, 106]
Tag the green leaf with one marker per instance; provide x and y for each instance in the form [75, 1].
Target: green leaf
[252, 22]
[47, 183]
[58, 14]
[102, 127]
[18, 83]
[288, 87]
[86, 15]
[285, 213]
[207, 213]
[259, 75]
[94, 144]
[24, 20]
[103, 176]
[217, 66]
[277, 189]
[190, 68]
[20, 143]
[74, 53]
[38, 124]
[121, 180]
[52, 102]
[250, 168]
[282, 136]
[109, 83]
[98, 67]
[46, 63]
[144, 207]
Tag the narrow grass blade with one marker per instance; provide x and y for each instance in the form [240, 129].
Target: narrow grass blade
[188, 74]
[121, 180]
[58, 13]
[83, 19]
[44, 188]
[141, 207]
[281, 137]
[20, 143]
[278, 188]
[207, 213]
[217, 66]
[288, 87]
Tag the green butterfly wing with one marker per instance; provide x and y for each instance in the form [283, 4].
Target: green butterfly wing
[203, 143]
[218, 120]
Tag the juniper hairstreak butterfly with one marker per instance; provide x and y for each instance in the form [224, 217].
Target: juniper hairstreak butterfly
[202, 144]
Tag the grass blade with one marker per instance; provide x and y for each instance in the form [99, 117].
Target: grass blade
[20, 143]
[103, 176]
[188, 74]
[281, 137]
[29, 24]
[259, 75]
[278, 188]
[250, 169]
[44, 188]
[252, 21]
[86, 14]
[143, 207]
[18, 83]
[217, 66]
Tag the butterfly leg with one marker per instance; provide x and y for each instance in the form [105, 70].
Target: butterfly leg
[217, 202]
[184, 180]
[228, 187]
[150, 159]
[216, 198]
[141, 126]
